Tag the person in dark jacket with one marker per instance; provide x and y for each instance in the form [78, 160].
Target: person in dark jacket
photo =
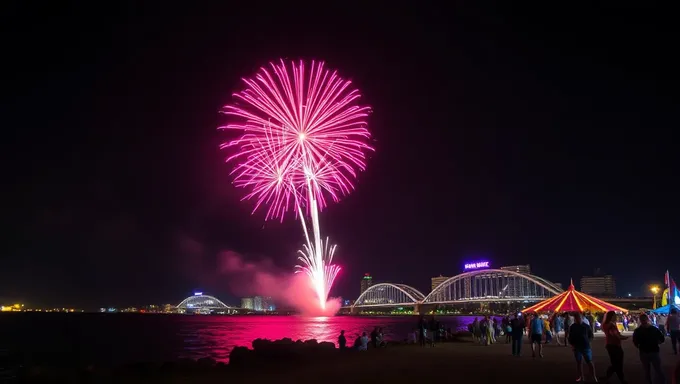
[580, 335]
[517, 332]
[647, 339]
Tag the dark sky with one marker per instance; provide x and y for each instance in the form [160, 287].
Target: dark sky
[517, 135]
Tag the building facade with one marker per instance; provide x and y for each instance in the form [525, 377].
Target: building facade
[602, 286]
[247, 303]
[436, 281]
[366, 282]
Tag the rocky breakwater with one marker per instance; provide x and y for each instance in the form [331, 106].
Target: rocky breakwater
[281, 351]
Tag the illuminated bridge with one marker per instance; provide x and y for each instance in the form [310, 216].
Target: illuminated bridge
[204, 304]
[480, 286]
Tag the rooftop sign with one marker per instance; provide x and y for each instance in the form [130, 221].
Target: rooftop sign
[477, 265]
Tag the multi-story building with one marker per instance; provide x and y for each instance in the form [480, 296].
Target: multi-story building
[257, 304]
[599, 285]
[268, 304]
[438, 280]
[247, 303]
[366, 282]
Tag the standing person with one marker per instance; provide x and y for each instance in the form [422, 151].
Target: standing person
[342, 341]
[625, 323]
[363, 342]
[580, 335]
[482, 329]
[613, 345]
[476, 331]
[591, 321]
[662, 324]
[558, 321]
[422, 331]
[548, 332]
[374, 337]
[536, 329]
[568, 321]
[673, 325]
[517, 332]
[647, 339]
[508, 330]
[434, 330]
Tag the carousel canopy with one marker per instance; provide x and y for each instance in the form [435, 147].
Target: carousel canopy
[572, 300]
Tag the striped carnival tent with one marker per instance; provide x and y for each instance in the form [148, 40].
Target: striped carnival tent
[572, 300]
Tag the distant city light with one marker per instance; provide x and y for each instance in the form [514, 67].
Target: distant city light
[477, 265]
[629, 295]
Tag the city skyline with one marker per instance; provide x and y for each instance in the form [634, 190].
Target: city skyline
[367, 281]
[499, 135]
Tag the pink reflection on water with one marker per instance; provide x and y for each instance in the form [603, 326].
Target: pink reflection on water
[216, 336]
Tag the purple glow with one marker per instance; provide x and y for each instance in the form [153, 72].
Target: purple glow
[477, 265]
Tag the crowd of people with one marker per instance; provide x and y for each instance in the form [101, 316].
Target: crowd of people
[361, 342]
[578, 330]
[427, 332]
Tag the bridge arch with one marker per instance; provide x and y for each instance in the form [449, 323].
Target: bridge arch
[202, 302]
[389, 294]
[491, 285]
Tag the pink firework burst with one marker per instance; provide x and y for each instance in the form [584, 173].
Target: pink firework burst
[304, 138]
[299, 125]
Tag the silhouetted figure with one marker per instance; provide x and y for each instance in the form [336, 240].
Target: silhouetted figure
[613, 344]
[422, 331]
[580, 335]
[647, 339]
[517, 332]
[374, 337]
[342, 341]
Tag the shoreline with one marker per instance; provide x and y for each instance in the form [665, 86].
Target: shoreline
[288, 361]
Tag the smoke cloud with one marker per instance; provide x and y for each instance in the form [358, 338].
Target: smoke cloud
[262, 279]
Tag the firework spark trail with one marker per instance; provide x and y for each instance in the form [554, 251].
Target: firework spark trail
[303, 140]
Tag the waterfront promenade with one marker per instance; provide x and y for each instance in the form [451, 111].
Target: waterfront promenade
[449, 362]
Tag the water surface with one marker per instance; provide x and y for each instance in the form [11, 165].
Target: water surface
[113, 339]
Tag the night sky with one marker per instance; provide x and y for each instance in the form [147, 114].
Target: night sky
[516, 135]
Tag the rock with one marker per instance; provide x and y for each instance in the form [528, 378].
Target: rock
[261, 344]
[326, 345]
[240, 356]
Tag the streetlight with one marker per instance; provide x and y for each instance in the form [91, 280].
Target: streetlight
[655, 290]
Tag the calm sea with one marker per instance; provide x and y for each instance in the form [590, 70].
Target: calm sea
[114, 339]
